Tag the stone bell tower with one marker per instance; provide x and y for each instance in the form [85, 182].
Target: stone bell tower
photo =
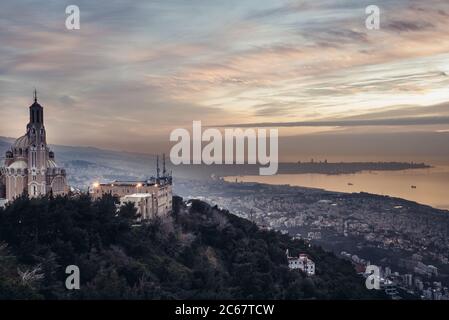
[38, 150]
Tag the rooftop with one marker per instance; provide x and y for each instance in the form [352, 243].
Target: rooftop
[136, 183]
[138, 195]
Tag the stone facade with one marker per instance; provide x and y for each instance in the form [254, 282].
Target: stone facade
[30, 165]
[152, 197]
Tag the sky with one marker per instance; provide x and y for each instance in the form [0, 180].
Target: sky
[138, 69]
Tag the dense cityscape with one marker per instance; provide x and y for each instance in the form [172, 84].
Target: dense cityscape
[407, 240]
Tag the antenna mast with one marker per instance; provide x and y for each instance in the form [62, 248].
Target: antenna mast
[164, 171]
[157, 167]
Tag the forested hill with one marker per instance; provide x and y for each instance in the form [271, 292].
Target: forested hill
[199, 252]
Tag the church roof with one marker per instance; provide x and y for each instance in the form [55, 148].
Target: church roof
[22, 142]
[36, 105]
[51, 164]
[18, 165]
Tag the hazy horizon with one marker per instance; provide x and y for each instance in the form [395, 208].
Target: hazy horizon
[314, 152]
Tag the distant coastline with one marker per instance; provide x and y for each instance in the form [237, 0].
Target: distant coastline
[347, 167]
[328, 168]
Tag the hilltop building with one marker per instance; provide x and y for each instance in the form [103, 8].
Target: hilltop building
[152, 197]
[30, 165]
[302, 262]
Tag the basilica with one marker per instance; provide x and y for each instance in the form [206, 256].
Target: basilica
[30, 165]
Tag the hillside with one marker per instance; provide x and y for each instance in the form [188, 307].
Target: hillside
[199, 252]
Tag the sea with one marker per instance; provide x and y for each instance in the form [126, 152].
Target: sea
[426, 186]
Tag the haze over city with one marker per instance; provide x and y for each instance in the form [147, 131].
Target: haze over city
[135, 71]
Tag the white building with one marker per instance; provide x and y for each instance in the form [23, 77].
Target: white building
[148, 205]
[3, 203]
[302, 262]
[408, 279]
[432, 270]
[429, 270]
[388, 286]
[419, 284]
[152, 197]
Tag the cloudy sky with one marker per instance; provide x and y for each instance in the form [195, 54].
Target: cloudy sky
[138, 69]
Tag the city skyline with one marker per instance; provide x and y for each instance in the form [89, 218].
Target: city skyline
[132, 73]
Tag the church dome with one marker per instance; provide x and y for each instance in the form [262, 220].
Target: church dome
[51, 164]
[18, 165]
[23, 142]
